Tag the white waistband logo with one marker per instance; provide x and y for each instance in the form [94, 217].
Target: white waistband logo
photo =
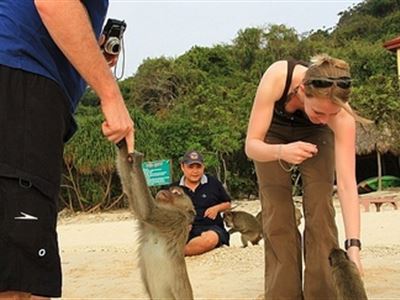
[25, 216]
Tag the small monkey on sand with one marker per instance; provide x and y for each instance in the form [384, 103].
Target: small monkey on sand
[164, 224]
[246, 224]
[346, 278]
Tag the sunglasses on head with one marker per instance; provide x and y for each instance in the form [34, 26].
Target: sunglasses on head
[342, 82]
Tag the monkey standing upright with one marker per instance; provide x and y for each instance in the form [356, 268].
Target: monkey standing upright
[346, 278]
[163, 230]
[246, 224]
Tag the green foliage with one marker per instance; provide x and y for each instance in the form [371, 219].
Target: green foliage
[90, 98]
[281, 42]
[215, 61]
[202, 100]
[366, 59]
[379, 8]
[360, 27]
[371, 20]
[378, 99]
[155, 85]
[391, 24]
[88, 151]
[159, 83]
[247, 46]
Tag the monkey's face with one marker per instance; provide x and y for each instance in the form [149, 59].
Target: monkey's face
[175, 196]
[228, 218]
[183, 201]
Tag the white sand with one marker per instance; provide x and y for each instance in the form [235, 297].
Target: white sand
[99, 259]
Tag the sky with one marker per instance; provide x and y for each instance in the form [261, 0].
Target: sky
[171, 28]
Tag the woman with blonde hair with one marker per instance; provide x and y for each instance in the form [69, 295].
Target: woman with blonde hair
[301, 117]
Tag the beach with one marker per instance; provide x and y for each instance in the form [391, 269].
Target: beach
[98, 253]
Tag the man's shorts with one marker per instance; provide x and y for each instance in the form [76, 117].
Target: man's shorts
[29, 259]
[34, 120]
[223, 234]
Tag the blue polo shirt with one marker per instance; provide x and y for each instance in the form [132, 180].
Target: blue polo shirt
[25, 44]
[210, 192]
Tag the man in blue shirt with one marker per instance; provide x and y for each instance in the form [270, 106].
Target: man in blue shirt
[209, 199]
[49, 50]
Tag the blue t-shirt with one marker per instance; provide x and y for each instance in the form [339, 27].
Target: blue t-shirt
[25, 44]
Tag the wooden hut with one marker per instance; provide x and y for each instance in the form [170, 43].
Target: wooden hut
[394, 46]
[381, 140]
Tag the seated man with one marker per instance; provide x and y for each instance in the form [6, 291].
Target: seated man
[209, 199]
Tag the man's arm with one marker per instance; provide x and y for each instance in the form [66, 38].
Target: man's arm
[61, 19]
[213, 211]
[224, 199]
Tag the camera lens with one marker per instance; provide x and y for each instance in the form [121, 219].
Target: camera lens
[112, 46]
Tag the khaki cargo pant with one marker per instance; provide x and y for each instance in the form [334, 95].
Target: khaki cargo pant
[283, 243]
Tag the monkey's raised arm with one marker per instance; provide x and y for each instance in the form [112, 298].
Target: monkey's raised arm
[162, 214]
[134, 184]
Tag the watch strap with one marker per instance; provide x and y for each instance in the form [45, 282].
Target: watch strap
[352, 242]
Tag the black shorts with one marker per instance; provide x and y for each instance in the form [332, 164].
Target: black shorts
[34, 121]
[222, 233]
[29, 258]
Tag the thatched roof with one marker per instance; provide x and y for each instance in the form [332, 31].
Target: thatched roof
[372, 138]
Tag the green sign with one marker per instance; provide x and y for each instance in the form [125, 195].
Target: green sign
[157, 172]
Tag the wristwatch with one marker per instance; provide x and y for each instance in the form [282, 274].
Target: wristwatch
[352, 242]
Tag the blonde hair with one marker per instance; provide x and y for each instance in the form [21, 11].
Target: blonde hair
[326, 67]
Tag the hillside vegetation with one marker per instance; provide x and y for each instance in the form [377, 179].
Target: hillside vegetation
[202, 100]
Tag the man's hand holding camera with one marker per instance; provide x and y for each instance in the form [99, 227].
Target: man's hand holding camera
[116, 115]
[111, 40]
[111, 59]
